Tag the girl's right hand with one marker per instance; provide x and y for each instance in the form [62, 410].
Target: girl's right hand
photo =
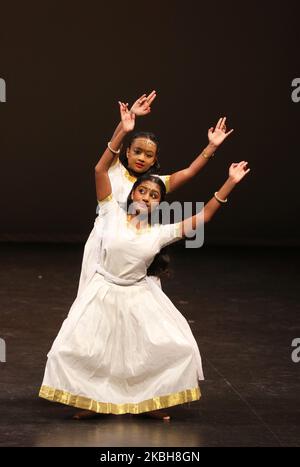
[127, 117]
[237, 171]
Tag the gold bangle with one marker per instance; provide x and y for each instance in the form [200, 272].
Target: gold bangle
[222, 201]
[113, 150]
[207, 157]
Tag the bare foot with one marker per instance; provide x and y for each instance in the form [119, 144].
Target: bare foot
[85, 414]
[156, 414]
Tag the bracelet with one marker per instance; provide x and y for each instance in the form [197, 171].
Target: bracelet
[113, 150]
[222, 201]
[207, 157]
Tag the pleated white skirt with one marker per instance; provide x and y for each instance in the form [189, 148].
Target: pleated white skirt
[123, 349]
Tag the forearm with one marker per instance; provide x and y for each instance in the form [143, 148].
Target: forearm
[202, 159]
[117, 130]
[179, 178]
[107, 157]
[209, 209]
[212, 206]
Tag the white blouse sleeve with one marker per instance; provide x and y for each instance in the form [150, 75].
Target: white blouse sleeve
[170, 233]
[107, 205]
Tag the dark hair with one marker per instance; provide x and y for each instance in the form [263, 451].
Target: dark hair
[160, 263]
[143, 178]
[142, 134]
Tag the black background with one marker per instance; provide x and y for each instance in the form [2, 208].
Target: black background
[66, 65]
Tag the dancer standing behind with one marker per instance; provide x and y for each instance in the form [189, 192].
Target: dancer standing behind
[141, 156]
[124, 347]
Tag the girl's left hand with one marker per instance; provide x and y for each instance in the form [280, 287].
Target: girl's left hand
[238, 170]
[127, 117]
[142, 106]
[217, 135]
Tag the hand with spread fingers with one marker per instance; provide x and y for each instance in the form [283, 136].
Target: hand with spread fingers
[217, 135]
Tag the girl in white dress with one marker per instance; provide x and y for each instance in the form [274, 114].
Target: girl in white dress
[124, 347]
[141, 156]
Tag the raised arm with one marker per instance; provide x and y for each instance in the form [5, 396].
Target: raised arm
[237, 172]
[216, 136]
[103, 185]
[141, 107]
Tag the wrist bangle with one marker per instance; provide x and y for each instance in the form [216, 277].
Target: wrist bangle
[206, 156]
[222, 201]
[113, 150]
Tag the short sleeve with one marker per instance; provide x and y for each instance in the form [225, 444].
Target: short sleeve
[108, 204]
[166, 180]
[106, 221]
[170, 233]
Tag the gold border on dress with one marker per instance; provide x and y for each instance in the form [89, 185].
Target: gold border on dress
[107, 198]
[131, 178]
[167, 182]
[159, 402]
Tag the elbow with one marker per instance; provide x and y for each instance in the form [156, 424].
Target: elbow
[98, 169]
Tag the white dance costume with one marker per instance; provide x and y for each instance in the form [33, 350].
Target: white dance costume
[124, 347]
[121, 184]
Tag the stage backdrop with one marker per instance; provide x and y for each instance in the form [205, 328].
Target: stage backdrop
[64, 65]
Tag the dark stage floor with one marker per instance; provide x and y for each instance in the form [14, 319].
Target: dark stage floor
[243, 308]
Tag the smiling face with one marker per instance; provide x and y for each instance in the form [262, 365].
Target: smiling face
[141, 155]
[146, 196]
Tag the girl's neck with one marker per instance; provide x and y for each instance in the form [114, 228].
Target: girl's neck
[138, 223]
[133, 173]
